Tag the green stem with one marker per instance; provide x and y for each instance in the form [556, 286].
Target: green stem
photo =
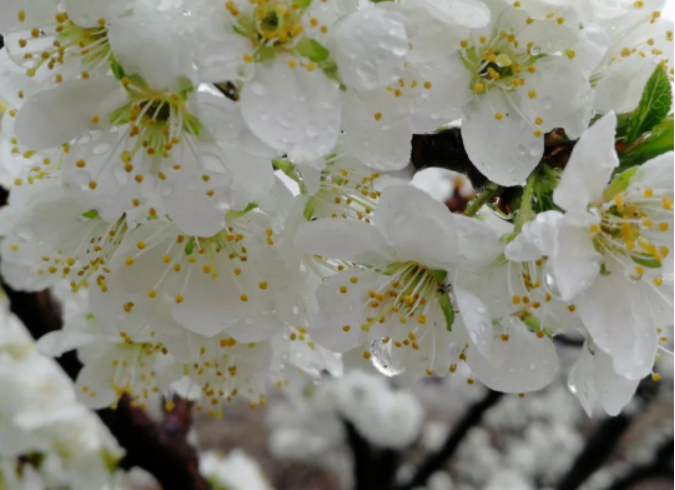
[490, 191]
[526, 213]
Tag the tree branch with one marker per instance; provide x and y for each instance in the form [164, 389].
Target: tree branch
[600, 446]
[374, 468]
[436, 461]
[661, 467]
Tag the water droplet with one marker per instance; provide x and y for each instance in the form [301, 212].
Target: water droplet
[257, 88]
[380, 356]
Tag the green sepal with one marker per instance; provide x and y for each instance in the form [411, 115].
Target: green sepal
[314, 50]
[447, 309]
[234, 215]
[619, 184]
[190, 246]
[308, 212]
[652, 263]
[91, 214]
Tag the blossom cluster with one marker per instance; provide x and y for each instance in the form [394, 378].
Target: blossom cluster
[146, 145]
[49, 440]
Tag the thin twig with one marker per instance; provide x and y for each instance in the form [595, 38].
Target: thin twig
[438, 460]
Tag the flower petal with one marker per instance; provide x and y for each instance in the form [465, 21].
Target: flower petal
[405, 214]
[537, 238]
[590, 167]
[614, 391]
[340, 239]
[56, 116]
[162, 56]
[512, 151]
[89, 13]
[477, 321]
[581, 380]
[576, 263]
[369, 47]
[471, 14]
[293, 110]
[530, 363]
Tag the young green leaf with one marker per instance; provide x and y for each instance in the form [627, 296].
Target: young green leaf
[654, 106]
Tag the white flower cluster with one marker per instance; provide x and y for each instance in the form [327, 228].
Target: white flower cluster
[47, 439]
[236, 471]
[140, 141]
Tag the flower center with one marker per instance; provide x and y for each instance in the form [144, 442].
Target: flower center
[346, 191]
[87, 46]
[411, 293]
[635, 230]
[498, 62]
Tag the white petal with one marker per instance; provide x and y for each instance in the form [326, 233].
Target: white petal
[56, 116]
[530, 363]
[37, 13]
[576, 263]
[477, 320]
[88, 14]
[614, 391]
[513, 150]
[116, 190]
[450, 90]
[405, 214]
[581, 380]
[618, 325]
[563, 96]
[377, 130]
[187, 195]
[339, 310]
[592, 46]
[369, 47]
[210, 305]
[537, 238]
[621, 86]
[293, 110]
[478, 241]
[472, 14]
[162, 56]
[340, 239]
[54, 344]
[590, 167]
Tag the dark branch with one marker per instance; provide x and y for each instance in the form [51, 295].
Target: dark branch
[161, 448]
[601, 445]
[374, 468]
[445, 149]
[436, 461]
[661, 467]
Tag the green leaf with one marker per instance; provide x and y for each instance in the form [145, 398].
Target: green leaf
[91, 214]
[190, 246]
[233, 215]
[448, 311]
[303, 4]
[314, 50]
[653, 144]
[654, 106]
